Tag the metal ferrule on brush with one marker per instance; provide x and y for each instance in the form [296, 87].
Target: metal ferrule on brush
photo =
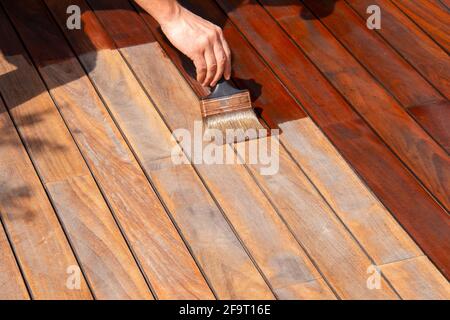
[237, 102]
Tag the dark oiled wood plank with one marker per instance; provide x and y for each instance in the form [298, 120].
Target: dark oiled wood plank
[163, 256]
[436, 116]
[227, 266]
[273, 247]
[411, 42]
[39, 242]
[408, 140]
[106, 259]
[383, 62]
[386, 176]
[431, 17]
[366, 218]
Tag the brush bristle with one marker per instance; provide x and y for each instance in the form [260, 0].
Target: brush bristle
[243, 121]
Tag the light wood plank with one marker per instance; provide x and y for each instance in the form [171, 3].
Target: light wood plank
[104, 254]
[12, 285]
[116, 274]
[352, 201]
[343, 263]
[40, 245]
[223, 259]
[159, 248]
[417, 279]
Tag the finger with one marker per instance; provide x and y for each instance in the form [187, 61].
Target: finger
[221, 59]
[200, 67]
[211, 66]
[226, 49]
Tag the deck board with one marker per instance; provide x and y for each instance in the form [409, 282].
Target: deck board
[228, 268]
[431, 17]
[233, 188]
[87, 155]
[11, 280]
[74, 194]
[368, 155]
[427, 160]
[393, 73]
[41, 247]
[149, 230]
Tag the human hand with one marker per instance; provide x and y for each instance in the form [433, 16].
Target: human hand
[202, 41]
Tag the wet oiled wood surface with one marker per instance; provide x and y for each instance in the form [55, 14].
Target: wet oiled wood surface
[101, 198]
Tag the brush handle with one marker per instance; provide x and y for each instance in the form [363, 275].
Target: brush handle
[224, 88]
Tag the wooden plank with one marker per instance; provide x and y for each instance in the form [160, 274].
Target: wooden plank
[411, 42]
[430, 17]
[420, 279]
[384, 63]
[103, 252]
[11, 282]
[368, 220]
[385, 175]
[159, 248]
[98, 242]
[418, 151]
[434, 115]
[226, 264]
[273, 247]
[316, 226]
[41, 248]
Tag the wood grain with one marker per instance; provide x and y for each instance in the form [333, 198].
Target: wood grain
[159, 248]
[372, 225]
[39, 242]
[71, 188]
[431, 17]
[273, 247]
[407, 139]
[104, 254]
[11, 282]
[223, 259]
[419, 278]
[385, 175]
[411, 42]
[315, 225]
[384, 63]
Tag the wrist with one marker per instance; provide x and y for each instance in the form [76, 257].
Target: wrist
[166, 13]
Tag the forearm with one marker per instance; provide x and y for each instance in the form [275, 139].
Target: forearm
[162, 10]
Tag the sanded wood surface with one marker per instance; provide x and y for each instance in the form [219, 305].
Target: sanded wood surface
[226, 264]
[11, 281]
[98, 242]
[421, 281]
[152, 235]
[41, 247]
[431, 17]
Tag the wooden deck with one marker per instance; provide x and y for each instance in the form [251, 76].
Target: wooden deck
[93, 207]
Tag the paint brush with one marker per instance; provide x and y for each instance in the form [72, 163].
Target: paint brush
[229, 110]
